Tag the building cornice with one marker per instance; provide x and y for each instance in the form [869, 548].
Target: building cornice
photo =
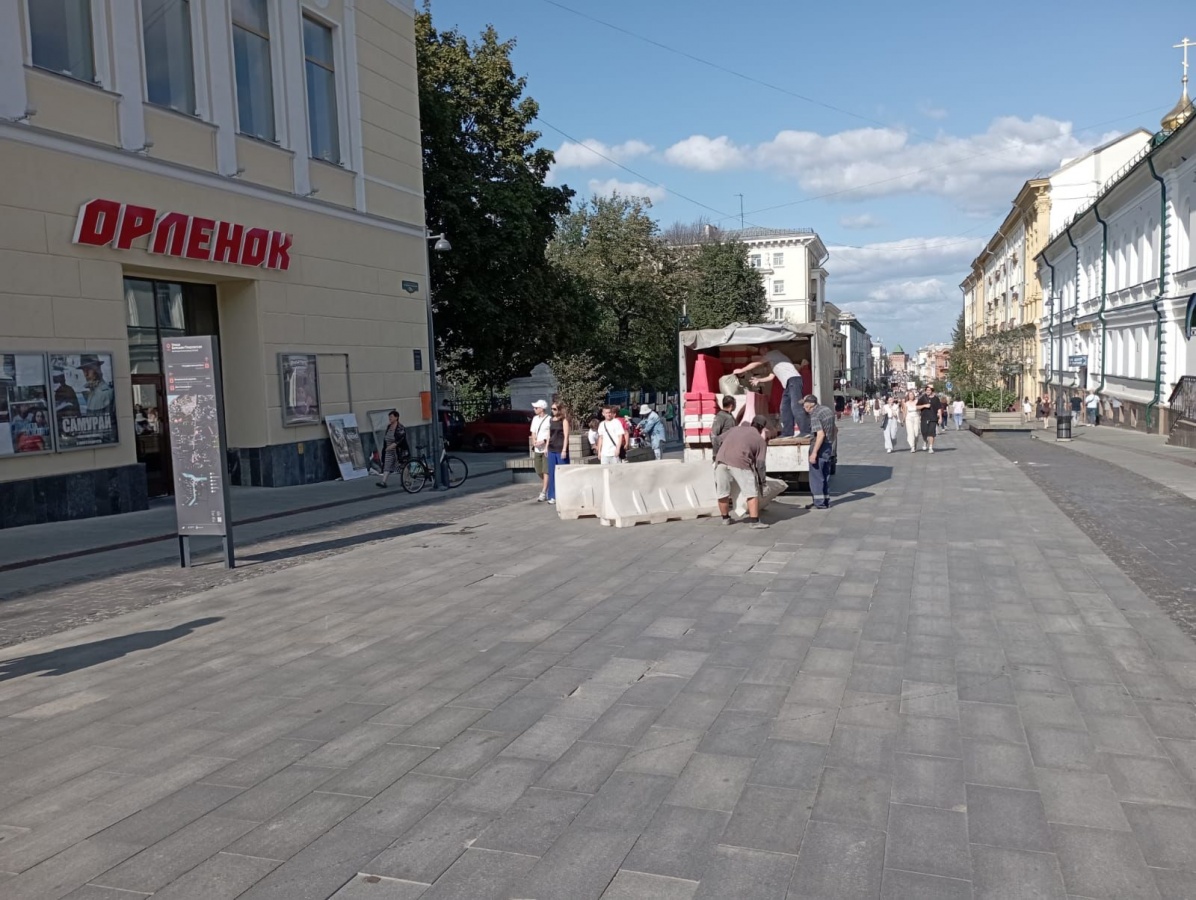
[33, 136]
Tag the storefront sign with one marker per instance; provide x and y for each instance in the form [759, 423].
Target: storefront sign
[193, 409]
[84, 401]
[107, 222]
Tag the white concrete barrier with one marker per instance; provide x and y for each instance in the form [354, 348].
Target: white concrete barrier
[579, 490]
[655, 492]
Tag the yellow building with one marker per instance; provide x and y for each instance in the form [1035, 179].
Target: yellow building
[244, 168]
[1001, 293]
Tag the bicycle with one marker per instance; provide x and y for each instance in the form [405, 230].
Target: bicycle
[416, 472]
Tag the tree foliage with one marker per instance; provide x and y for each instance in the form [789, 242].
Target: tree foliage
[718, 285]
[609, 246]
[581, 384]
[500, 307]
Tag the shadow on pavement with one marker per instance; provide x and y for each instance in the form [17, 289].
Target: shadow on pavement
[853, 477]
[81, 656]
[340, 543]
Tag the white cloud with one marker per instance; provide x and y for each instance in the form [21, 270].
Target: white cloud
[860, 222]
[589, 153]
[603, 188]
[706, 154]
[978, 171]
[902, 291]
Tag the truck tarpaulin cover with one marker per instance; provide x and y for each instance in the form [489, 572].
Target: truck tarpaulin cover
[740, 335]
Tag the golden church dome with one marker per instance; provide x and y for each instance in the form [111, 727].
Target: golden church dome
[1180, 113]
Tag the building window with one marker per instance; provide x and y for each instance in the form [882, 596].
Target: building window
[778, 259]
[754, 260]
[322, 123]
[778, 287]
[61, 37]
[169, 71]
[777, 313]
[251, 57]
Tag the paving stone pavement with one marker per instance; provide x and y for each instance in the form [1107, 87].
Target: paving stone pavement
[940, 688]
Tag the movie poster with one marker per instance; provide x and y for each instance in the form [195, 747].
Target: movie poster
[24, 405]
[84, 401]
[300, 388]
[346, 445]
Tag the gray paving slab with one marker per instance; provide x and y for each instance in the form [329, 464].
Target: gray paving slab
[753, 704]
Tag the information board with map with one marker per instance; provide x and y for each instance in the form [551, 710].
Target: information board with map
[194, 409]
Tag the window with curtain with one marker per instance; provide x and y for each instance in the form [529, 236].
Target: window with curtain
[169, 70]
[62, 38]
[323, 126]
[251, 59]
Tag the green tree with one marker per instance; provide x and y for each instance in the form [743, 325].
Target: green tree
[580, 384]
[718, 285]
[500, 307]
[609, 246]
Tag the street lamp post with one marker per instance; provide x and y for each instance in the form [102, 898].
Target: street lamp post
[439, 481]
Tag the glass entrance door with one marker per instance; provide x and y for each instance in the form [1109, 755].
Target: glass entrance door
[157, 310]
[153, 441]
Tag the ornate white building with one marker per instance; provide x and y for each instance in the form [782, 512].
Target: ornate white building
[1119, 281]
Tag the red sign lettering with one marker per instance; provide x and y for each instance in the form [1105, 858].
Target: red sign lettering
[97, 222]
[227, 246]
[106, 222]
[199, 238]
[254, 247]
[135, 222]
[280, 246]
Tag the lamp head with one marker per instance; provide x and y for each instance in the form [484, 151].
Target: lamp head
[442, 245]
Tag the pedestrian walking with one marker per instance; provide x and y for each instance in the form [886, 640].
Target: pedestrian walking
[890, 420]
[877, 406]
[822, 451]
[670, 424]
[1114, 410]
[1027, 410]
[912, 420]
[1076, 403]
[855, 411]
[394, 446]
[741, 460]
[957, 411]
[558, 444]
[1092, 406]
[724, 421]
[539, 440]
[784, 372]
[929, 406]
[652, 429]
[612, 437]
[942, 416]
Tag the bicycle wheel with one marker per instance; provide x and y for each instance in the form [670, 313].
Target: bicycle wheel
[457, 470]
[414, 476]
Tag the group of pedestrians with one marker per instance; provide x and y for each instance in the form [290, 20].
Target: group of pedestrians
[922, 415]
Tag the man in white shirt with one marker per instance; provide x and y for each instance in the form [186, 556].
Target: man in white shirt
[784, 372]
[612, 437]
[1092, 406]
[957, 410]
[541, 425]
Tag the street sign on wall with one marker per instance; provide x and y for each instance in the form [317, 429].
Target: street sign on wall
[1078, 360]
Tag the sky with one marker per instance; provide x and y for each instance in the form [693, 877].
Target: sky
[899, 132]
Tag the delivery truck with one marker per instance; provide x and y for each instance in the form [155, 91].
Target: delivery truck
[705, 357]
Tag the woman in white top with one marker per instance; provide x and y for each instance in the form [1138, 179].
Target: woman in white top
[890, 413]
[913, 421]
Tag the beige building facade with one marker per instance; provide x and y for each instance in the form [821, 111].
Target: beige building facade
[249, 169]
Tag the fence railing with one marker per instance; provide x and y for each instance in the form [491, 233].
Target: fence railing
[1183, 398]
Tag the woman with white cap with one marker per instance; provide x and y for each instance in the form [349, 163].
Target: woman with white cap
[652, 428]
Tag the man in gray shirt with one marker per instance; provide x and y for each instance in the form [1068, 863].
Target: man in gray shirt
[724, 421]
[741, 459]
[822, 451]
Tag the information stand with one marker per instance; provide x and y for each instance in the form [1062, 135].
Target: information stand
[195, 411]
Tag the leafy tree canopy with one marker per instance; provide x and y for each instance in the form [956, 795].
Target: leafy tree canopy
[610, 247]
[718, 285]
[500, 307]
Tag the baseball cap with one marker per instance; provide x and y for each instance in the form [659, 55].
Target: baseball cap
[540, 404]
[645, 409]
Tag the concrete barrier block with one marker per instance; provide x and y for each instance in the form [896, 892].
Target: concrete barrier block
[657, 492]
[579, 490]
